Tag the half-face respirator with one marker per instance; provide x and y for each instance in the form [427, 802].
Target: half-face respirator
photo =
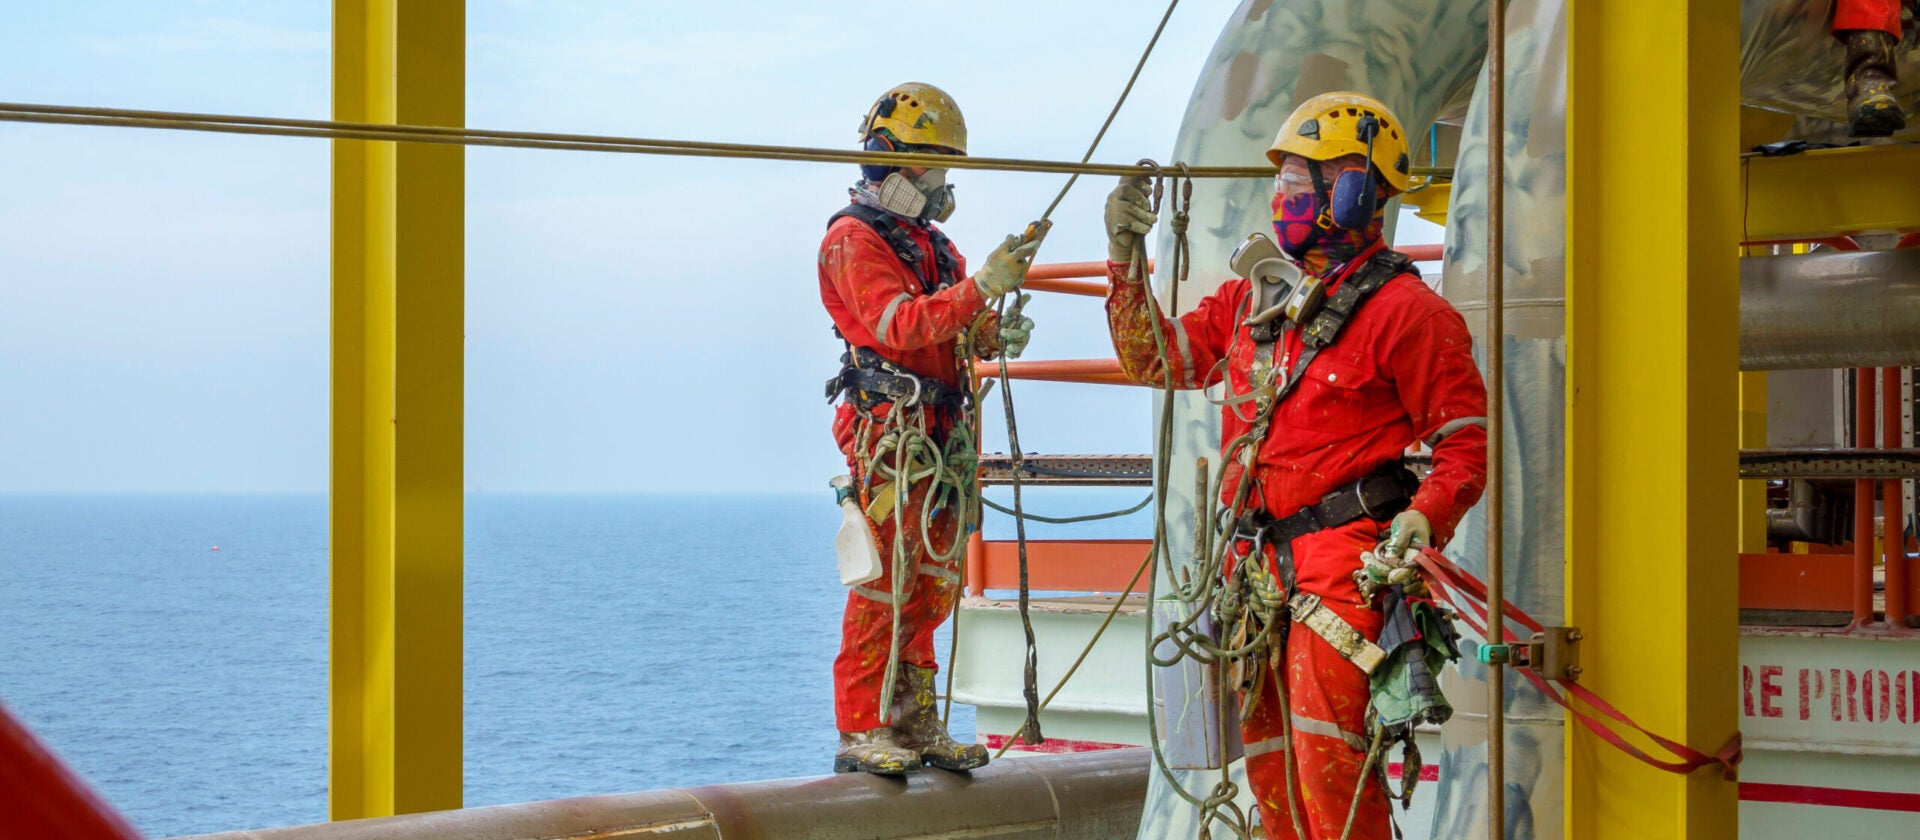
[1280, 288]
[928, 197]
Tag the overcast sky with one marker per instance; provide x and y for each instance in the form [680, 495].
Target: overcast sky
[633, 323]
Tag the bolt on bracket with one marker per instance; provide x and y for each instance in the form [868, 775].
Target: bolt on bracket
[1553, 653]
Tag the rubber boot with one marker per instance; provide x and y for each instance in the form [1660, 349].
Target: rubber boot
[876, 751]
[916, 722]
[1870, 79]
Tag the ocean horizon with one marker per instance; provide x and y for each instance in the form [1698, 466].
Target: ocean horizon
[614, 642]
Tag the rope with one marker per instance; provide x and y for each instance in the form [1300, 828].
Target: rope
[393, 132]
[1030, 729]
[1068, 520]
[1102, 133]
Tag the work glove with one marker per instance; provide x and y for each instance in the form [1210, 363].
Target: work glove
[1129, 217]
[1016, 329]
[1410, 530]
[1263, 591]
[1006, 267]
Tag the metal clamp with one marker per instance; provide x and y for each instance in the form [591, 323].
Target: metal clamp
[1553, 653]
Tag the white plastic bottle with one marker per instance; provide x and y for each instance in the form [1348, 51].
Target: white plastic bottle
[855, 544]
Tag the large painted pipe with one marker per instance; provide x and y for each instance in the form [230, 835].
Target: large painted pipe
[1834, 309]
[1084, 796]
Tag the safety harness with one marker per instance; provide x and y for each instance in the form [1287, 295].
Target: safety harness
[1381, 493]
[867, 378]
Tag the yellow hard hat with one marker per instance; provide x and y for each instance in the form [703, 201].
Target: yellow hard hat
[1329, 126]
[918, 114]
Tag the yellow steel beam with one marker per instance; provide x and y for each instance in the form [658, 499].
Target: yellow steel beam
[1831, 192]
[1753, 435]
[397, 388]
[1652, 313]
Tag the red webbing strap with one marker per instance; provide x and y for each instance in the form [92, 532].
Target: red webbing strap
[1462, 590]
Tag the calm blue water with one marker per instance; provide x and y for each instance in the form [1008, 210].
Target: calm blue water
[614, 643]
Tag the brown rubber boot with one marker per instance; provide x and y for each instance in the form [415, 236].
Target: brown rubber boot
[875, 751]
[1870, 79]
[916, 721]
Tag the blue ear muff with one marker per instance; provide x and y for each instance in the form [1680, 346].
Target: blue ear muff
[1354, 199]
[877, 143]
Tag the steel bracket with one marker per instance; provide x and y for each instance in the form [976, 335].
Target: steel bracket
[1553, 653]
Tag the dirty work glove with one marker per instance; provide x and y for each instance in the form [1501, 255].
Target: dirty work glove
[1007, 266]
[1263, 591]
[1410, 530]
[1129, 216]
[1016, 329]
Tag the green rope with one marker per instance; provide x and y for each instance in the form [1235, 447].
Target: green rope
[1068, 520]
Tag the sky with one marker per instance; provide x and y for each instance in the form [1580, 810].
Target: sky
[634, 323]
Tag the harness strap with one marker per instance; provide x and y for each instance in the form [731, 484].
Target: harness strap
[1462, 590]
[1308, 610]
[869, 380]
[945, 269]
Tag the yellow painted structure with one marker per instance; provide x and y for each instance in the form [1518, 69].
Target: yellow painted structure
[1653, 232]
[397, 390]
[1432, 202]
[1753, 435]
[1829, 192]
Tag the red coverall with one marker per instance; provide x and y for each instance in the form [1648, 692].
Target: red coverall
[1883, 15]
[1402, 371]
[878, 302]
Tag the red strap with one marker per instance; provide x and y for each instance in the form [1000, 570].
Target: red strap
[1465, 592]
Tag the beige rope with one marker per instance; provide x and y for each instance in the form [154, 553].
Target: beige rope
[341, 130]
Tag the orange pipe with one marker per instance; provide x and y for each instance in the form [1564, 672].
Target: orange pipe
[1423, 253]
[976, 563]
[1065, 287]
[1893, 503]
[1063, 271]
[1863, 417]
[1909, 241]
[1091, 371]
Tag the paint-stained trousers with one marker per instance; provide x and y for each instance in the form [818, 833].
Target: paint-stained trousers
[1326, 708]
[927, 596]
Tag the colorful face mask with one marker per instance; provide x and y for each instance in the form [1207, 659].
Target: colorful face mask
[1303, 224]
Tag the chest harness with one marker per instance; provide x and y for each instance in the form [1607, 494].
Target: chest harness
[866, 377]
[1380, 494]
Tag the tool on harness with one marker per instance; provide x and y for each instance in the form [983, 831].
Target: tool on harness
[855, 545]
[868, 379]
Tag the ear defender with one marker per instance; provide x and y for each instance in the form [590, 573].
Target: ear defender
[1354, 199]
[1354, 195]
[877, 143]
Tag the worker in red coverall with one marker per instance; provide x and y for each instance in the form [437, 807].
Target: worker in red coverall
[1870, 29]
[1401, 371]
[898, 293]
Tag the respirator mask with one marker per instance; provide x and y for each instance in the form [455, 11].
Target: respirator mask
[927, 197]
[1281, 291]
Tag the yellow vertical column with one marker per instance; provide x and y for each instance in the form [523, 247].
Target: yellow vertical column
[398, 371]
[1753, 435]
[1652, 309]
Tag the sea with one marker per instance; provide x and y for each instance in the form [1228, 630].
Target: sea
[173, 648]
